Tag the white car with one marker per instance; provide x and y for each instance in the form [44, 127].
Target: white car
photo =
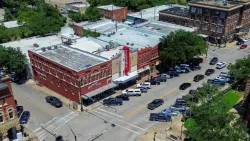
[144, 85]
[165, 75]
[221, 65]
[132, 92]
[220, 78]
[224, 74]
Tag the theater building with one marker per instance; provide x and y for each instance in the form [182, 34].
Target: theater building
[73, 73]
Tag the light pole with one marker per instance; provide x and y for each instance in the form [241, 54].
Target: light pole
[72, 132]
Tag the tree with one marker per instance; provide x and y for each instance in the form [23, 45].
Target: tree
[213, 121]
[91, 14]
[180, 46]
[241, 70]
[87, 32]
[7, 15]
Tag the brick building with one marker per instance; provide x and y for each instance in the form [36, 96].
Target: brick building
[114, 12]
[9, 121]
[215, 18]
[73, 73]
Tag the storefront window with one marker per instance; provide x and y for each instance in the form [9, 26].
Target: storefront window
[11, 115]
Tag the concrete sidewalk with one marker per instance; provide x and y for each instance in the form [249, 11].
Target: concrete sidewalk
[165, 131]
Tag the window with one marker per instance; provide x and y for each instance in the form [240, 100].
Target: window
[100, 75]
[204, 27]
[10, 113]
[199, 11]
[58, 84]
[222, 14]
[82, 82]
[1, 117]
[219, 21]
[219, 29]
[104, 73]
[193, 9]
[65, 88]
[51, 80]
[72, 91]
[213, 28]
[63, 76]
[207, 12]
[96, 76]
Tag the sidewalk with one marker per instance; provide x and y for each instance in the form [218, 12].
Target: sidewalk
[163, 131]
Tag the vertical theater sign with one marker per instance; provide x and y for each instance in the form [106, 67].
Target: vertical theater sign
[126, 59]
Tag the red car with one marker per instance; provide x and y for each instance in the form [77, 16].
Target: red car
[243, 46]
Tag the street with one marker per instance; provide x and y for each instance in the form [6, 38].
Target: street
[105, 124]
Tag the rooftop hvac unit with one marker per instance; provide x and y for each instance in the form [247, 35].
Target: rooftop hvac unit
[49, 48]
[43, 49]
[132, 44]
[55, 47]
[127, 43]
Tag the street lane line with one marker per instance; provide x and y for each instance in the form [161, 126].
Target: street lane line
[111, 113]
[46, 134]
[135, 111]
[120, 120]
[169, 92]
[45, 124]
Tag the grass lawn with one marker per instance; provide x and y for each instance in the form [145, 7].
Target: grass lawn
[233, 97]
[189, 123]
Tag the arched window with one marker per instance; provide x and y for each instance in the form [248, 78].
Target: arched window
[104, 73]
[1, 117]
[10, 113]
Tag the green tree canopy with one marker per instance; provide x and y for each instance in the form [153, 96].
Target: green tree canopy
[180, 46]
[91, 13]
[241, 70]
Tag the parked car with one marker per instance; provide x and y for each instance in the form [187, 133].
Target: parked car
[184, 86]
[144, 85]
[155, 103]
[221, 65]
[123, 97]
[182, 68]
[198, 77]
[19, 110]
[217, 81]
[112, 101]
[162, 78]
[180, 101]
[132, 92]
[159, 117]
[154, 81]
[169, 112]
[221, 78]
[143, 89]
[240, 42]
[177, 108]
[24, 117]
[192, 92]
[243, 46]
[165, 75]
[213, 61]
[195, 68]
[173, 73]
[53, 101]
[209, 71]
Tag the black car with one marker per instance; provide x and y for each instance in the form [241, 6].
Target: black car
[213, 61]
[24, 117]
[162, 78]
[240, 42]
[123, 97]
[155, 103]
[198, 77]
[112, 101]
[54, 101]
[192, 92]
[159, 117]
[173, 73]
[184, 86]
[195, 68]
[209, 71]
[143, 89]
[19, 110]
[154, 81]
[180, 101]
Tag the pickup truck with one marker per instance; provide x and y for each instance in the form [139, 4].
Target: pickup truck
[159, 117]
[112, 101]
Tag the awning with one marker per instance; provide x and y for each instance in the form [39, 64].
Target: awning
[99, 90]
[126, 78]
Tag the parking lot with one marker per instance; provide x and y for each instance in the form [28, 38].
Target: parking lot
[132, 118]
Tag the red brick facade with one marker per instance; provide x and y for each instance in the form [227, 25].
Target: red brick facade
[68, 82]
[117, 14]
[78, 30]
[147, 56]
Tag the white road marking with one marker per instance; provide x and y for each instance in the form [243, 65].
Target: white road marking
[46, 124]
[111, 113]
[120, 120]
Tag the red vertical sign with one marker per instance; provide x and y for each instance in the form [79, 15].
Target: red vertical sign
[126, 59]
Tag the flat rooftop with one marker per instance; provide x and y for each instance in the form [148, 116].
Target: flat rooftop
[104, 26]
[180, 11]
[28, 43]
[87, 44]
[11, 24]
[218, 4]
[109, 7]
[71, 58]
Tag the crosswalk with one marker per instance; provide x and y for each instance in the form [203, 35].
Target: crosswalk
[53, 124]
[118, 120]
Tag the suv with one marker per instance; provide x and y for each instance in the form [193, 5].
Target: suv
[221, 65]
[162, 78]
[132, 92]
[144, 85]
[173, 73]
[198, 77]
[209, 71]
[213, 61]
[180, 101]
[177, 108]
[155, 103]
[54, 101]
[112, 101]
[24, 117]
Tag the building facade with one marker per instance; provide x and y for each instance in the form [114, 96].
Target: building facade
[72, 73]
[114, 12]
[218, 19]
[9, 121]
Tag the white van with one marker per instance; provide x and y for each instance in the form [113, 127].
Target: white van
[132, 92]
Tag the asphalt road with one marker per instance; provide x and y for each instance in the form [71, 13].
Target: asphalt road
[41, 112]
[131, 118]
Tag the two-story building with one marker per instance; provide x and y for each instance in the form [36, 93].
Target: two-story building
[114, 12]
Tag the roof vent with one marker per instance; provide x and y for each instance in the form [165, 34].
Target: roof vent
[132, 44]
[127, 43]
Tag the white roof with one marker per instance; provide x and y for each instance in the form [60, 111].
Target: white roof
[11, 24]
[111, 53]
[28, 43]
[86, 44]
[126, 78]
[109, 7]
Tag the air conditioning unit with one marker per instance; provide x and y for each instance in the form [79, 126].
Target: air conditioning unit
[43, 49]
[49, 48]
[55, 47]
